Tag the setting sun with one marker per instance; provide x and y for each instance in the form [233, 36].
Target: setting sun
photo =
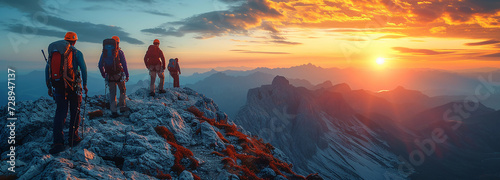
[380, 60]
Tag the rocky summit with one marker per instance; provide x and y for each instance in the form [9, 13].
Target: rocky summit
[180, 134]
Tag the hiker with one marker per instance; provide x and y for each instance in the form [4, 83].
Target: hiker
[62, 76]
[113, 68]
[155, 63]
[175, 70]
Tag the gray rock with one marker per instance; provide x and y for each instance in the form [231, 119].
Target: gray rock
[84, 155]
[186, 175]
[136, 175]
[267, 173]
[280, 177]
[118, 148]
[182, 130]
[224, 175]
[209, 135]
[221, 116]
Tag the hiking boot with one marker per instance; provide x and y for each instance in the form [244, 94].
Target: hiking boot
[152, 94]
[56, 148]
[114, 115]
[75, 142]
[162, 91]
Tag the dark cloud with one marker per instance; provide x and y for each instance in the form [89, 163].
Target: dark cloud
[92, 32]
[22, 29]
[231, 1]
[481, 43]
[257, 52]
[96, 8]
[122, 1]
[163, 32]
[87, 32]
[158, 13]
[237, 20]
[419, 51]
[495, 55]
[29, 6]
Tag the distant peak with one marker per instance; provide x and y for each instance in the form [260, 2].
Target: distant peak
[309, 65]
[342, 87]
[327, 83]
[280, 81]
[400, 88]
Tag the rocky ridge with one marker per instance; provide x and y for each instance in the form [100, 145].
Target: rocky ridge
[177, 135]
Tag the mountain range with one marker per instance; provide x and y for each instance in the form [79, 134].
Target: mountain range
[331, 129]
[235, 83]
[357, 134]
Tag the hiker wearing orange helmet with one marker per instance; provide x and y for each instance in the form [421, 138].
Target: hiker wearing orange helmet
[155, 62]
[62, 76]
[114, 69]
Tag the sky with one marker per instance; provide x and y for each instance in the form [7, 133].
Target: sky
[442, 34]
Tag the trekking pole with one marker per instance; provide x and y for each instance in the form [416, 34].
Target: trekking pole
[84, 111]
[47, 61]
[105, 93]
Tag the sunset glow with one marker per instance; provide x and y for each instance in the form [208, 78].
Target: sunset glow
[380, 60]
[445, 34]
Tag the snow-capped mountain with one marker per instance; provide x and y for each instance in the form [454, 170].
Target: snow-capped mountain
[177, 135]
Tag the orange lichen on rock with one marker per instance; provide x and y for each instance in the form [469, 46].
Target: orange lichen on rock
[161, 175]
[196, 112]
[180, 152]
[222, 137]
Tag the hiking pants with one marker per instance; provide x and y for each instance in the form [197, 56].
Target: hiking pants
[73, 100]
[112, 93]
[154, 71]
[176, 79]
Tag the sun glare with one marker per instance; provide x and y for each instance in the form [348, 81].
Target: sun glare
[380, 60]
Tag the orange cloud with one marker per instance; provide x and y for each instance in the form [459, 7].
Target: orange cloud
[488, 42]
[420, 51]
[437, 18]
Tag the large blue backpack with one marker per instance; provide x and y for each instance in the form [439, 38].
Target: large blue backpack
[112, 64]
[172, 63]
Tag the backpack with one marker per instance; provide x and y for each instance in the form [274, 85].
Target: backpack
[61, 69]
[154, 55]
[172, 64]
[112, 64]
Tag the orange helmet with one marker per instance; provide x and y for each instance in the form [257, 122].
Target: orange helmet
[70, 36]
[116, 38]
[156, 41]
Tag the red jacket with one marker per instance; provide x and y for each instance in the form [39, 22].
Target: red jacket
[154, 56]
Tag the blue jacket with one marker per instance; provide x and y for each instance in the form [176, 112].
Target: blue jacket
[78, 65]
[123, 61]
